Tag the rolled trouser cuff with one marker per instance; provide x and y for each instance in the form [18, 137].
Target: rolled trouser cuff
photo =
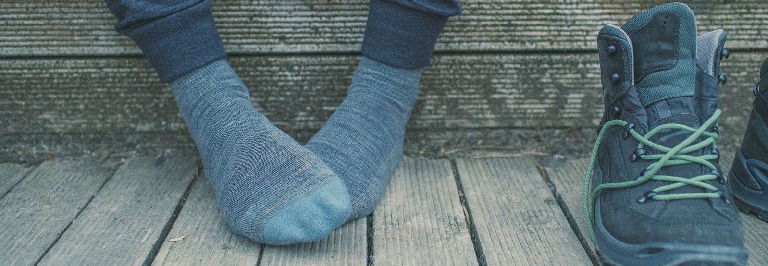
[403, 36]
[178, 43]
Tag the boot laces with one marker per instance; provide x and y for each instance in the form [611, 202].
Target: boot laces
[667, 156]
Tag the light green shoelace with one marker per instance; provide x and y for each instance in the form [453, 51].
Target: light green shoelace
[676, 155]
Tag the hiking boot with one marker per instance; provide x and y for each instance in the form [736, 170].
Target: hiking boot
[748, 179]
[654, 192]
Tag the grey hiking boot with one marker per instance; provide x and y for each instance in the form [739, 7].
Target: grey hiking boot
[654, 192]
[748, 179]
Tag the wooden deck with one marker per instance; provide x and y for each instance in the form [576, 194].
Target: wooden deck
[487, 210]
[96, 166]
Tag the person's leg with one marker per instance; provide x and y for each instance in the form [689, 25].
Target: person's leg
[363, 139]
[269, 188]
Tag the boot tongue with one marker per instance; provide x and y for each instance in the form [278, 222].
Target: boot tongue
[664, 48]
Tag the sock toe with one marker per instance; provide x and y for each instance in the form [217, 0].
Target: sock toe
[309, 218]
[362, 142]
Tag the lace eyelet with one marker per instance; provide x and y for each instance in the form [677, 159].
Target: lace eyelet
[715, 152]
[636, 155]
[611, 50]
[644, 198]
[725, 54]
[723, 197]
[720, 178]
[627, 128]
[722, 78]
[615, 78]
[616, 111]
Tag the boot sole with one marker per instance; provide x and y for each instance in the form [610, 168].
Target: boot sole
[612, 251]
[749, 209]
[748, 200]
[689, 261]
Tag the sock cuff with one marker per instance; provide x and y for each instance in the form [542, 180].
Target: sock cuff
[386, 82]
[175, 43]
[404, 36]
[395, 74]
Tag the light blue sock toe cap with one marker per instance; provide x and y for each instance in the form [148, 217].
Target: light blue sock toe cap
[310, 218]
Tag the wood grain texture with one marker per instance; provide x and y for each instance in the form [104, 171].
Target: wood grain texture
[755, 239]
[301, 92]
[201, 237]
[10, 175]
[38, 209]
[124, 221]
[517, 218]
[62, 105]
[345, 246]
[420, 220]
[568, 179]
[259, 26]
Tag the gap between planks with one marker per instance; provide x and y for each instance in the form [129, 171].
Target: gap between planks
[126, 218]
[421, 214]
[419, 219]
[517, 218]
[39, 208]
[10, 175]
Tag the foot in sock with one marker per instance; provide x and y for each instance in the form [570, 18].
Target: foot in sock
[269, 188]
[363, 140]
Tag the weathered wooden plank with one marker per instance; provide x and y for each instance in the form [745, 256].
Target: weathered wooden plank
[420, 220]
[201, 237]
[260, 26]
[570, 175]
[430, 143]
[301, 92]
[51, 105]
[485, 141]
[10, 174]
[344, 246]
[568, 179]
[123, 94]
[31, 148]
[43, 205]
[124, 221]
[755, 239]
[517, 218]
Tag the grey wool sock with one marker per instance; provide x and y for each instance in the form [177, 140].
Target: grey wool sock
[363, 140]
[269, 188]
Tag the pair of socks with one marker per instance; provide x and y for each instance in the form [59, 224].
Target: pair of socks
[270, 188]
[275, 191]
